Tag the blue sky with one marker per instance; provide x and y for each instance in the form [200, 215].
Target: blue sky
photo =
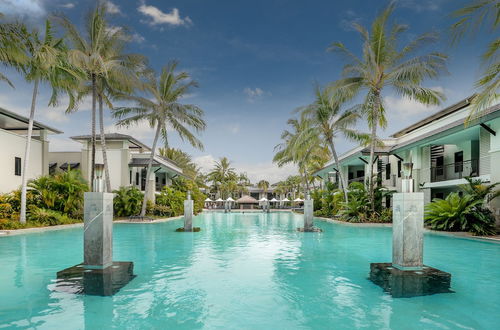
[256, 61]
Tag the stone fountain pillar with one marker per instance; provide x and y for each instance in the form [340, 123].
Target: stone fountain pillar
[407, 276]
[308, 216]
[98, 274]
[188, 213]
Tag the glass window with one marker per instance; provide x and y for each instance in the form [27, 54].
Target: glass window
[17, 166]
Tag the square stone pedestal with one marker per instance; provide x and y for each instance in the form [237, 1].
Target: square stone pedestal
[308, 218]
[409, 283]
[96, 282]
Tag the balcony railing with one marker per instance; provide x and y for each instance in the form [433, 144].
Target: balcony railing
[455, 171]
[358, 179]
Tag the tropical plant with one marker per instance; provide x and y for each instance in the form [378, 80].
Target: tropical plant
[223, 176]
[472, 18]
[127, 201]
[12, 47]
[48, 217]
[98, 53]
[187, 185]
[329, 120]
[480, 191]
[45, 63]
[385, 64]
[460, 213]
[181, 159]
[308, 154]
[162, 110]
[173, 199]
[328, 201]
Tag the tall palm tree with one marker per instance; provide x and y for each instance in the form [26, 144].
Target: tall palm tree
[45, 63]
[221, 173]
[264, 185]
[330, 121]
[384, 64]
[181, 159]
[162, 110]
[99, 52]
[482, 14]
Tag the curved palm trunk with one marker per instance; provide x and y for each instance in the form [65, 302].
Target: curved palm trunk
[92, 138]
[148, 172]
[103, 145]
[22, 214]
[343, 184]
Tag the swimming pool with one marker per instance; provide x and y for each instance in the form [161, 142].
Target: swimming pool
[246, 271]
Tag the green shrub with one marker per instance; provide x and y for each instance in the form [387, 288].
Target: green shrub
[173, 199]
[456, 213]
[162, 211]
[185, 185]
[127, 201]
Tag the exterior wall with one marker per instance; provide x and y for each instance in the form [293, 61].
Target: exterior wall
[61, 157]
[13, 145]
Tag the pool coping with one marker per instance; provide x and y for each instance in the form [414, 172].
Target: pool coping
[461, 234]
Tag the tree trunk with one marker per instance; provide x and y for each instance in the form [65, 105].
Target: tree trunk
[92, 137]
[103, 145]
[24, 182]
[343, 184]
[148, 172]
[376, 110]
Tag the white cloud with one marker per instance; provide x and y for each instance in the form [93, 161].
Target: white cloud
[67, 5]
[422, 5]
[255, 172]
[254, 93]
[158, 17]
[134, 37]
[405, 107]
[22, 7]
[141, 130]
[112, 8]
[349, 18]
[233, 128]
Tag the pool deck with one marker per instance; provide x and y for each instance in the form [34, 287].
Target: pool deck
[465, 235]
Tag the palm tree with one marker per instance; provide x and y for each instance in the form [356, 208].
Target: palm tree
[264, 185]
[99, 53]
[330, 121]
[383, 65]
[479, 14]
[222, 173]
[162, 110]
[45, 63]
[181, 159]
[12, 47]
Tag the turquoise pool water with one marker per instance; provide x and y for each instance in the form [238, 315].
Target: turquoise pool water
[246, 271]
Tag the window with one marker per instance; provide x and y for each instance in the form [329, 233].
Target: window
[459, 162]
[439, 165]
[351, 175]
[136, 178]
[388, 171]
[360, 173]
[130, 177]
[17, 166]
[400, 163]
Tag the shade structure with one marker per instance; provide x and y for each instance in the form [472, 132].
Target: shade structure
[298, 200]
[274, 200]
[247, 200]
[219, 200]
[263, 199]
[229, 200]
[285, 200]
[208, 200]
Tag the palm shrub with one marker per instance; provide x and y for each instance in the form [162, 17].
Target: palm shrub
[127, 201]
[185, 185]
[460, 213]
[48, 217]
[358, 208]
[327, 202]
[173, 199]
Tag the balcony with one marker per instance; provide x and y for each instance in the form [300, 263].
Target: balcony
[453, 171]
[358, 179]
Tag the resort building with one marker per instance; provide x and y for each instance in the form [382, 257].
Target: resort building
[13, 132]
[127, 160]
[441, 148]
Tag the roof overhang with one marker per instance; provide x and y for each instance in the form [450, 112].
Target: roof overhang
[11, 121]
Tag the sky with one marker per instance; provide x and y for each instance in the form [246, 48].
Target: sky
[255, 62]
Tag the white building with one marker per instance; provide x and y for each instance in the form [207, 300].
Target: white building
[441, 148]
[127, 161]
[13, 131]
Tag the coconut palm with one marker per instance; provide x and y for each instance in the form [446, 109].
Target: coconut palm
[12, 47]
[221, 173]
[181, 159]
[45, 63]
[330, 121]
[385, 65]
[471, 19]
[160, 107]
[264, 185]
[98, 52]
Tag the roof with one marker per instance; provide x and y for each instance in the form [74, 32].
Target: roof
[440, 114]
[157, 161]
[10, 121]
[114, 137]
[247, 200]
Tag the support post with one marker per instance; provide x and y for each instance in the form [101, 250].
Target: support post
[188, 213]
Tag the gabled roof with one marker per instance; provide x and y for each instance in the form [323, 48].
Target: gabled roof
[12, 121]
[114, 137]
